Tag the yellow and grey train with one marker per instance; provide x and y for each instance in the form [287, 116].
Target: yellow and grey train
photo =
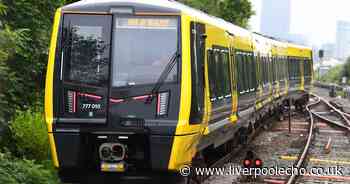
[153, 85]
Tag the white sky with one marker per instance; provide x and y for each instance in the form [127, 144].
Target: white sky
[314, 18]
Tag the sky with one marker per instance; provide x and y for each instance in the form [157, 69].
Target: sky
[314, 18]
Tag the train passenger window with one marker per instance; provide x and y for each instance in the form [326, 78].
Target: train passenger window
[263, 59]
[266, 71]
[219, 73]
[254, 68]
[218, 77]
[243, 76]
[240, 76]
[212, 73]
[226, 73]
[280, 69]
[86, 49]
[273, 64]
[258, 71]
[247, 74]
[269, 69]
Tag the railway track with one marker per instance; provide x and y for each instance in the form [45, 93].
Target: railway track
[321, 110]
[319, 139]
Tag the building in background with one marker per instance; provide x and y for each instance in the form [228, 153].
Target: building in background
[329, 50]
[343, 40]
[275, 18]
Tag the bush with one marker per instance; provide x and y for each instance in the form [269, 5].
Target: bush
[17, 171]
[28, 135]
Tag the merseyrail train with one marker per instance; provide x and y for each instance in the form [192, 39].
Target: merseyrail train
[152, 86]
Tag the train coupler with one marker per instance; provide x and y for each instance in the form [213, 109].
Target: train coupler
[113, 167]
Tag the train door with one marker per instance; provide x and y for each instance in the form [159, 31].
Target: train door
[84, 69]
[198, 37]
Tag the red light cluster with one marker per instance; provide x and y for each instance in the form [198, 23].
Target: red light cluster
[252, 163]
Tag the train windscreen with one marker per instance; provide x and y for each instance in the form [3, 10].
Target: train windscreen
[142, 48]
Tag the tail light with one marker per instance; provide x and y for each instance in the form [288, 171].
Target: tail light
[162, 104]
[71, 101]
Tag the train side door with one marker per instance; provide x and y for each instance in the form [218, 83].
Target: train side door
[198, 37]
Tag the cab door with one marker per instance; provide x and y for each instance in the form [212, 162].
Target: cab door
[83, 73]
[198, 37]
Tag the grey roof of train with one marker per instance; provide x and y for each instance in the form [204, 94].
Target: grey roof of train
[170, 5]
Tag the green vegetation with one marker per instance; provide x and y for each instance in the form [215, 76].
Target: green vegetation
[28, 134]
[234, 11]
[24, 37]
[22, 171]
[346, 69]
[335, 74]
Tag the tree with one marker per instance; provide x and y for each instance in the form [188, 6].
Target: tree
[235, 11]
[346, 69]
[10, 44]
[25, 27]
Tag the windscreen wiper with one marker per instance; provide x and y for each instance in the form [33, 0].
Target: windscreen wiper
[164, 75]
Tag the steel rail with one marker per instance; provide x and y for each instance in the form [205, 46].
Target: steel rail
[341, 113]
[303, 155]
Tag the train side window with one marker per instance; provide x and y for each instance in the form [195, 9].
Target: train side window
[226, 73]
[273, 69]
[263, 62]
[254, 68]
[218, 75]
[240, 73]
[244, 70]
[280, 69]
[247, 74]
[270, 71]
[211, 73]
[265, 69]
[258, 71]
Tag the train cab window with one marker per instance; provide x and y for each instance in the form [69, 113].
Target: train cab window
[86, 48]
[142, 48]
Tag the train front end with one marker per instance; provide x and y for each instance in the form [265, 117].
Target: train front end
[113, 87]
